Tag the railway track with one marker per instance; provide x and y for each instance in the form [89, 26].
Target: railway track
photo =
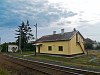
[47, 69]
[22, 67]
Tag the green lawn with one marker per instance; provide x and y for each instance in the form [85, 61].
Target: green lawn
[90, 61]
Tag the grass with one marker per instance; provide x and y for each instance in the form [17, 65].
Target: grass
[90, 61]
[4, 72]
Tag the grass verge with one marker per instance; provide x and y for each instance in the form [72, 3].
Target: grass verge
[89, 62]
[4, 72]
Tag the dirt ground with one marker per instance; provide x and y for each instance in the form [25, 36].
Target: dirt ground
[15, 69]
[12, 68]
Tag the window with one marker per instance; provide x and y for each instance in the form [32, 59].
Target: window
[49, 48]
[60, 48]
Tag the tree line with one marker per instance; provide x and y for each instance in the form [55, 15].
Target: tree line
[90, 44]
[23, 36]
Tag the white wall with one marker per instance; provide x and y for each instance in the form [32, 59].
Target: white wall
[12, 48]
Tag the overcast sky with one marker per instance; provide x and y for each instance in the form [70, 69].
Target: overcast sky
[50, 15]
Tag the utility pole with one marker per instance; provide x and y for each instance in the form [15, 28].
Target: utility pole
[36, 31]
[35, 39]
[20, 42]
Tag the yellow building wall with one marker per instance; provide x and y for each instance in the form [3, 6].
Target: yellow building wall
[44, 47]
[75, 47]
[69, 47]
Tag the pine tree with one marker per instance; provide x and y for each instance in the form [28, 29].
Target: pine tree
[24, 35]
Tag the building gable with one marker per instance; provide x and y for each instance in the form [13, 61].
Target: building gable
[68, 43]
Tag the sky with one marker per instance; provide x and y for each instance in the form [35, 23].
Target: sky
[50, 15]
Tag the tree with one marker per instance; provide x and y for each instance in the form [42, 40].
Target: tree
[88, 43]
[98, 46]
[23, 35]
[4, 47]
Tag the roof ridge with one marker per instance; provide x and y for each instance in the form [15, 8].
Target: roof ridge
[57, 34]
[57, 37]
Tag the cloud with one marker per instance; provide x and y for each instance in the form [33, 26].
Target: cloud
[42, 12]
[90, 31]
[13, 12]
[7, 34]
[49, 15]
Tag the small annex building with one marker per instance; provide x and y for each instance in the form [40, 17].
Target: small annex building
[64, 43]
[12, 48]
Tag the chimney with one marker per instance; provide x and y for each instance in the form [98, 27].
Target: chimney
[74, 29]
[54, 32]
[62, 31]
